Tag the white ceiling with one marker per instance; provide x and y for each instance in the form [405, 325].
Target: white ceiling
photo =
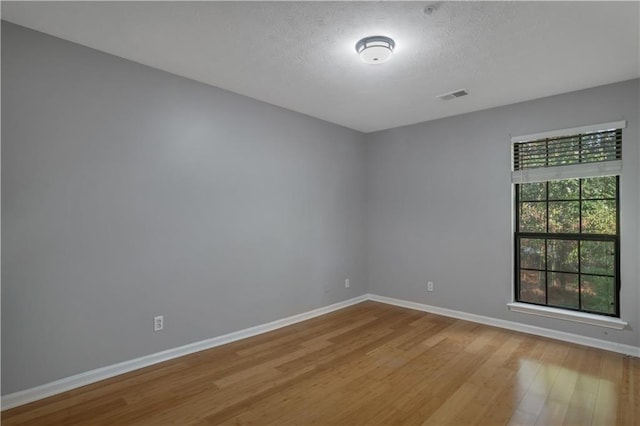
[301, 56]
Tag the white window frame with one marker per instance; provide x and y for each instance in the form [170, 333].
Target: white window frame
[562, 172]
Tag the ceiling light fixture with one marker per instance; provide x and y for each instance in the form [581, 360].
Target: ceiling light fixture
[375, 49]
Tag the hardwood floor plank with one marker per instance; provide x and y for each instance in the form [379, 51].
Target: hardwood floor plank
[366, 364]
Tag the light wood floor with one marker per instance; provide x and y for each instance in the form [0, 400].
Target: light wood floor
[366, 364]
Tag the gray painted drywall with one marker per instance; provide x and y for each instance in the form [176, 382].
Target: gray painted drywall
[129, 192]
[439, 205]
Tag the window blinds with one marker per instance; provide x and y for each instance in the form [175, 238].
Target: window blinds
[557, 155]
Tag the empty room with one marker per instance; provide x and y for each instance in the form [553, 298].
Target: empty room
[329, 213]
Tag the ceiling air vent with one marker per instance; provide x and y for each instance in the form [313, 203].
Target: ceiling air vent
[453, 95]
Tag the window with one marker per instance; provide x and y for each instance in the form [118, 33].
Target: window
[567, 222]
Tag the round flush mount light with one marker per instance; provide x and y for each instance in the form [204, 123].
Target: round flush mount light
[375, 49]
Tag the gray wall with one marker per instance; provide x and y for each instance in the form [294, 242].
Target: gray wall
[129, 192]
[439, 205]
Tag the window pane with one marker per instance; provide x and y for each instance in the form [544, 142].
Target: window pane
[599, 217]
[564, 216]
[598, 147]
[532, 154]
[564, 150]
[533, 191]
[532, 253]
[599, 187]
[563, 290]
[532, 287]
[562, 255]
[533, 217]
[564, 189]
[597, 257]
[598, 294]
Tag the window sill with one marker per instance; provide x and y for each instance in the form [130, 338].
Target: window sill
[581, 317]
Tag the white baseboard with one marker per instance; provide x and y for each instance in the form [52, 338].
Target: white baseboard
[83, 379]
[510, 325]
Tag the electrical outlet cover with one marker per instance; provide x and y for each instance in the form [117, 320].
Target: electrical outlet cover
[158, 323]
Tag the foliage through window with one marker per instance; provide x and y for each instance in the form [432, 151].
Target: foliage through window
[567, 230]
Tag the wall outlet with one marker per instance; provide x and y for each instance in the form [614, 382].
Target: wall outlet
[347, 283]
[158, 323]
[430, 286]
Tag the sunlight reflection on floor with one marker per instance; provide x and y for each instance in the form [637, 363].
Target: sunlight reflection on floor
[549, 394]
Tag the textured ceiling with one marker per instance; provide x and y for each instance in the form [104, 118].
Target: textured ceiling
[300, 55]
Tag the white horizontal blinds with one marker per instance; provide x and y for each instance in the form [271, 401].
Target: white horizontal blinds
[587, 154]
[544, 174]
